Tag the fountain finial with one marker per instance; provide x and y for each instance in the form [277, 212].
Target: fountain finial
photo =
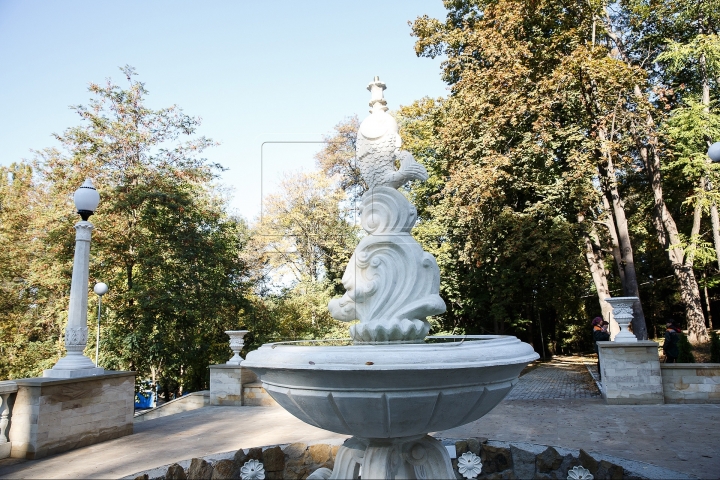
[376, 88]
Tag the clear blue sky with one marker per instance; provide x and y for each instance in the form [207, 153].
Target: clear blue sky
[254, 71]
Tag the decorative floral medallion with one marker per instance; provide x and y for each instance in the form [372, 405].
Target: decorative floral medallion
[579, 473]
[252, 470]
[469, 465]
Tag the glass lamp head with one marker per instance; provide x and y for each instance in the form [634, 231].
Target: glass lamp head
[714, 152]
[86, 199]
[100, 289]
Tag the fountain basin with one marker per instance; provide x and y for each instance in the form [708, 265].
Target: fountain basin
[391, 390]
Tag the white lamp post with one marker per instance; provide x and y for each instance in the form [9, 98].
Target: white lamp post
[74, 363]
[100, 289]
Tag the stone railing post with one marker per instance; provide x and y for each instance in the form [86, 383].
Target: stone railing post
[236, 344]
[6, 390]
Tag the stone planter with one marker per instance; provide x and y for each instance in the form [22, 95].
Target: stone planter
[623, 314]
[236, 344]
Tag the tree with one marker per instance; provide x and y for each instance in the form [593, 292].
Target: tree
[306, 230]
[301, 247]
[338, 158]
[513, 155]
[30, 302]
[163, 241]
[639, 31]
[577, 84]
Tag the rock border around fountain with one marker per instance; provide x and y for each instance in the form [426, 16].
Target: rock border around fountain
[499, 460]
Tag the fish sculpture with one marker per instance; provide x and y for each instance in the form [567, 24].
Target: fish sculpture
[391, 284]
[378, 147]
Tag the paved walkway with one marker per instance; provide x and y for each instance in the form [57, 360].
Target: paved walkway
[553, 404]
[561, 379]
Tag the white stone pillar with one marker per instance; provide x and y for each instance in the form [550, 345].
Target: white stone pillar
[74, 363]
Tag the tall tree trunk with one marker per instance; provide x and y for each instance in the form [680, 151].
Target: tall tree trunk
[593, 254]
[716, 230]
[708, 313]
[667, 231]
[627, 262]
[614, 244]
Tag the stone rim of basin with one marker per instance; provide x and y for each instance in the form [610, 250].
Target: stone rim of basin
[473, 352]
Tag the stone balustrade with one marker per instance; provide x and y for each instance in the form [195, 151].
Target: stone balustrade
[633, 375]
[7, 392]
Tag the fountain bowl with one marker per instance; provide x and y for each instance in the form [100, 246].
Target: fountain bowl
[391, 390]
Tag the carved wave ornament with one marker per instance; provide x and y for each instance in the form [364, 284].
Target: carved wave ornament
[392, 285]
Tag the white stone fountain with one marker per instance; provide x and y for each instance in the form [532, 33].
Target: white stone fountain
[389, 385]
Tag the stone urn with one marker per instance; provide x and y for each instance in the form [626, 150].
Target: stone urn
[389, 384]
[623, 315]
[236, 344]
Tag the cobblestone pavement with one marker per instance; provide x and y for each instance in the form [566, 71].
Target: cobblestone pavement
[558, 379]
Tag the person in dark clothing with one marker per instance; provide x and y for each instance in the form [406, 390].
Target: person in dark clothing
[600, 334]
[672, 337]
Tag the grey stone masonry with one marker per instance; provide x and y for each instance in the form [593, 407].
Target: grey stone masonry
[630, 373]
[53, 415]
[691, 382]
[226, 383]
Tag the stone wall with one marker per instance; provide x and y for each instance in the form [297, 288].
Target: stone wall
[52, 415]
[691, 382]
[191, 401]
[226, 383]
[630, 373]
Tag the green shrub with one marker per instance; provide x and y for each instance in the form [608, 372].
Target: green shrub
[714, 347]
[685, 350]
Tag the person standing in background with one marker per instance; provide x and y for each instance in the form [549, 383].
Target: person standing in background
[672, 338]
[600, 334]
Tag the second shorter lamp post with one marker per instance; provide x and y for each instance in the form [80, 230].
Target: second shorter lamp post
[100, 289]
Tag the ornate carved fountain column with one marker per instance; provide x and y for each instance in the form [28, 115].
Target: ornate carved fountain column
[391, 284]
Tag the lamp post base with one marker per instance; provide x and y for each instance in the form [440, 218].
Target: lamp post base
[74, 364]
[83, 372]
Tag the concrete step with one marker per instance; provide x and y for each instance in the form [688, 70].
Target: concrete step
[254, 395]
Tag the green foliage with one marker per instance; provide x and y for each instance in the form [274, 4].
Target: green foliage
[30, 308]
[714, 347]
[298, 252]
[162, 241]
[685, 350]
